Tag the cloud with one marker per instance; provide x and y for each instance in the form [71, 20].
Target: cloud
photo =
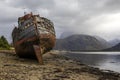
[79, 16]
[108, 25]
[32, 4]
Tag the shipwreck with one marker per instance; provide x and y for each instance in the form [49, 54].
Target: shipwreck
[34, 36]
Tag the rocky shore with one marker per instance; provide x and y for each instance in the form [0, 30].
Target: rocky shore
[55, 67]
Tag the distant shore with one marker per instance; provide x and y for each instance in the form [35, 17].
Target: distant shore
[56, 67]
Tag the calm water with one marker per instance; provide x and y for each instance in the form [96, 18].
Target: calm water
[102, 60]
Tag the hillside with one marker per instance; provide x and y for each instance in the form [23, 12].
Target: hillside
[104, 42]
[114, 48]
[114, 42]
[79, 42]
[66, 34]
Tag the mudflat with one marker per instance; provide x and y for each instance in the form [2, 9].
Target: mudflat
[56, 67]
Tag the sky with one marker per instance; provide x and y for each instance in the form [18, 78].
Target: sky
[92, 17]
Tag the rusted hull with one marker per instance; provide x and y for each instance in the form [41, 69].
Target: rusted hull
[34, 36]
[24, 48]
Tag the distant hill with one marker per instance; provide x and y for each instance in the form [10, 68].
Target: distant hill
[79, 43]
[114, 42]
[66, 34]
[104, 42]
[114, 48]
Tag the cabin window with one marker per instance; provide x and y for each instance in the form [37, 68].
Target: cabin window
[38, 22]
[27, 25]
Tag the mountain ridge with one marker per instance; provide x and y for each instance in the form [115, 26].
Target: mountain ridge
[79, 42]
[114, 48]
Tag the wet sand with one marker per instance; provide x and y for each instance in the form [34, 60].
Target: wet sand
[55, 67]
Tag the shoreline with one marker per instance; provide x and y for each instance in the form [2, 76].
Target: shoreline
[56, 67]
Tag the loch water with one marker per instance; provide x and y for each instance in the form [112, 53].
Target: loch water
[102, 60]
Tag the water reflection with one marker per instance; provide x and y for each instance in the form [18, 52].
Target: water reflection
[103, 60]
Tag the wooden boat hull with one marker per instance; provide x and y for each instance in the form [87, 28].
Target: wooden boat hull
[25, 48]
[34, 36]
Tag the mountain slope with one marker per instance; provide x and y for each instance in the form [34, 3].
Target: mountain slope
[66, 34]
[103, 42]
[114, 42]
[79, 42]
[114, 48]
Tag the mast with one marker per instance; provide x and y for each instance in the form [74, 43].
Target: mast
[25, 11]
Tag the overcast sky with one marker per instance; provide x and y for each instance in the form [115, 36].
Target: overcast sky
[93, 17]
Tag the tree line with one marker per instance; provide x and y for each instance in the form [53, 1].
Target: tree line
[4, 43]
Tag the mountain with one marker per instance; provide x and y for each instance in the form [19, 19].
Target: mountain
[66, 34]
[104, 42]
[79, 42]
[114, 42]
[114, 48]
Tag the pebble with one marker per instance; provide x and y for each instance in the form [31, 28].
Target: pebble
[54, 68]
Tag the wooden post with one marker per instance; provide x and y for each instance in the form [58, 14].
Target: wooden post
[38, 53]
